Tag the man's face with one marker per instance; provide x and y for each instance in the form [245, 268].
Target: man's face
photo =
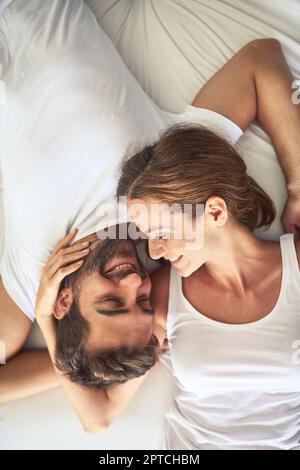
[112, 291]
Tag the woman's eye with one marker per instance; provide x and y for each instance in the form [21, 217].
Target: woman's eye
[163, 236]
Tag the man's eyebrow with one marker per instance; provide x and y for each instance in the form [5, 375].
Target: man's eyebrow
[124, 311]
[108, 297]
[115, 311]
[111, 313]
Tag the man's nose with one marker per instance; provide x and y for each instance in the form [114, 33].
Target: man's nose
[132, 280]
[157, 249]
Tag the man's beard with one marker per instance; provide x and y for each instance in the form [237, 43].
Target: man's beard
[104, 252]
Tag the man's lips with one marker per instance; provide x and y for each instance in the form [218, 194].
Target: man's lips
[122, 265]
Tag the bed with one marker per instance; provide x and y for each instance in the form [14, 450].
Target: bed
[172, 47]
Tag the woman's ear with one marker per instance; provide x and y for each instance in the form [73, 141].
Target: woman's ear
[216, 209]
[63, 303]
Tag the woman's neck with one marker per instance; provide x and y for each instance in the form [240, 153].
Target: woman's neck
[236, 261]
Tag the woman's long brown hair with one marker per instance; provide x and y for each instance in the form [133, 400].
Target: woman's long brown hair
[187, 165]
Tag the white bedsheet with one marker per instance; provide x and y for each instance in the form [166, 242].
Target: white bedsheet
[173, 47]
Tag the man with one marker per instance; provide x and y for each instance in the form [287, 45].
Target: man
[72, 110]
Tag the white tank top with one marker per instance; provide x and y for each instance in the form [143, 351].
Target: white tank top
[238, 386]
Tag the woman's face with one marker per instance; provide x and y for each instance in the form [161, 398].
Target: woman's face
[176, 236]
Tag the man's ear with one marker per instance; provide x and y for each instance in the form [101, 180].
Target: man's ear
[63, 303]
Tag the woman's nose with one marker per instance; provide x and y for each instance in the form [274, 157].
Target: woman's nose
[133, 280]
[157, 249]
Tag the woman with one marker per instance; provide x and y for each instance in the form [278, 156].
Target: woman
[229, 306]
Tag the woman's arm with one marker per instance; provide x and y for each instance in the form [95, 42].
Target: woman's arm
[258, 84]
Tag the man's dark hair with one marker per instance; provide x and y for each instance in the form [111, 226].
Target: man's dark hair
[98, 368]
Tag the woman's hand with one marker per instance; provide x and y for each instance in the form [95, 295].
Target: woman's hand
[65, 260]
[290, 218]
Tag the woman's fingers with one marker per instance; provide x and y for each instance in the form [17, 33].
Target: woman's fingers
[77, 246]
[66, 271]
[65, 241]
[89, 238]
[64, 260]
[80, 244]
[66, 251]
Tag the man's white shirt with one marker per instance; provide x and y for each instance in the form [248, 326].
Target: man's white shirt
[72, 111]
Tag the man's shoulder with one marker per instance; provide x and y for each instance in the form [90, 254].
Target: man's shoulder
[297, 246]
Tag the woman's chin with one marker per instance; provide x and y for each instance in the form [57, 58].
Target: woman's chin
[188, 271]
[184, 273]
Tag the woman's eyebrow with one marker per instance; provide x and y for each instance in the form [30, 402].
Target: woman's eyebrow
[156, 229]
